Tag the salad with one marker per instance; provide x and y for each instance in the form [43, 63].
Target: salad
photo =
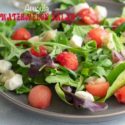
[83, 60]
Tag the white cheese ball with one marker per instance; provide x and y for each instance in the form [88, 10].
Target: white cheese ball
[34, 39]
[101, 12]
[7, 75]
[76, 41]
[14, 82]
[5, 66]
[49, 35]
[80, 7]
[85, 95]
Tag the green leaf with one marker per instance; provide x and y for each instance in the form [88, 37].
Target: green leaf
[115, 72]
[105, 63]
[81, 84]
[107, 23]
[79, 51]
[56, 50]
[117, 84]
[85, 72]
[58, 79]
[22, 90]
[2, 88]
[60, 93]
[99, 71]
[11, 23]
[68, 30]
[71, 30]
[62, 79]
[68, 71]
[81, 30]
[6, 28]
[120, 29]
[63, 6]
[61, 38]
[70, 2]
[38, 27]
[90, 46]
[115, 42]
[11, 49]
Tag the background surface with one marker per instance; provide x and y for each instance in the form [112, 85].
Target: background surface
[11, 115]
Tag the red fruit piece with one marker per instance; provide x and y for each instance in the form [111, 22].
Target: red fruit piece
[120, 95]
[98, 89]
[88, 16]
[42, 52]
[21, 34]
[40, 97]
[68, 60]
[98, 34]
[118, 22]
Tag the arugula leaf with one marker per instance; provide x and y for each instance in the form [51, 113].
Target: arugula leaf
[2, 88]
[6, 28]
[56, 50]
[85, 72]
[99, 71]
[76, 30]
[11, 49]
[81, 84]
[58, 79]
[60, 93]
[107, 23]
[63, 6]
[61, 38]
[38, 27]
[81, 30]
[120, 29]
[115, 41]
[115, 72]
[107, 63]
[10, 24]
[90, 46]
[68, 71]
[79, 51]
[63, 79]
[23, 90]
[68, 30]
[118, 83]
[70, 2]
[97, 62]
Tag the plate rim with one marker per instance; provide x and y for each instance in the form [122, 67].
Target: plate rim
[55, 114]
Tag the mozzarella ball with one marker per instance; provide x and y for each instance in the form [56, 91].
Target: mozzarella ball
[7, 75]
[14, 83]
[85, 95]
[49, 35]
[76, 41]
[101, 12]
[5, 66]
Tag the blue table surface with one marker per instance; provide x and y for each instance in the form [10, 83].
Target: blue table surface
[11, 115]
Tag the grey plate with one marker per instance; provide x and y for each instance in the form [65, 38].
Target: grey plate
[61, 111]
